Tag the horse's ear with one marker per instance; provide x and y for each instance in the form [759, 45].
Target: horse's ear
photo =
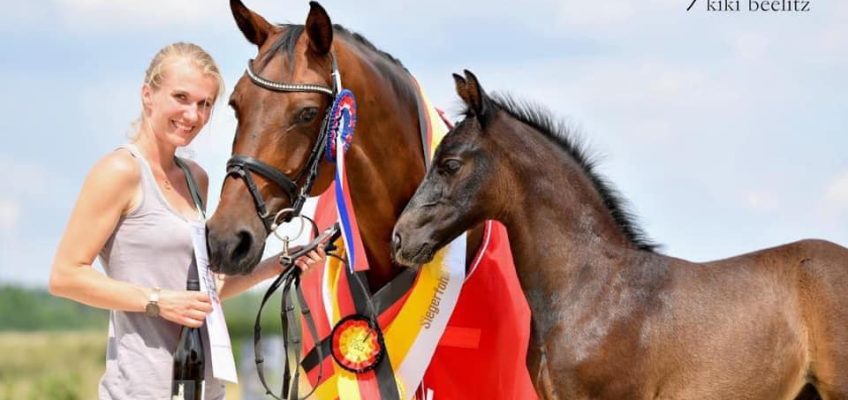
[319, 29]
[473, 95]
[252, 25]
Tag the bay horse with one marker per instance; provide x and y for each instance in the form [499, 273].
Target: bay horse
[611, 317]
[276, 163]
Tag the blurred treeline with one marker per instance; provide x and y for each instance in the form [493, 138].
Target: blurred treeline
[25, 309]
[55, 349]
[30, 309]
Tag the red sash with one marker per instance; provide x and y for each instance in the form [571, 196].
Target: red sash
[482, 354]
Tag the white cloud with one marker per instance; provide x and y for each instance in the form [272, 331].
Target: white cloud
[836, 195]
[10, 212]
[108, 14]
[608, 13]
[108, 106]
[21, 14]
[24, 180]
[751, 46]
[761, 200]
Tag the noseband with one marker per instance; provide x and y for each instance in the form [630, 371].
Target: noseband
[242, 166]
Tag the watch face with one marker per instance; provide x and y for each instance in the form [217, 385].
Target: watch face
[152, 310]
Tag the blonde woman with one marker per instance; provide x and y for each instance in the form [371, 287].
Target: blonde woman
[136, 211]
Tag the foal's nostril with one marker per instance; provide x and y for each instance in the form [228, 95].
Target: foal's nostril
[245, 241]
[396, 242]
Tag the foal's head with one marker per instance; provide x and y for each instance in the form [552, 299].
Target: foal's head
[502, 158]
[464, 186]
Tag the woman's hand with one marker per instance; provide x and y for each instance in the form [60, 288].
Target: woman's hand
[184, 307]
[309, 260]
[270, 268]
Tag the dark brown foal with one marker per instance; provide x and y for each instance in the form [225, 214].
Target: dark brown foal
[613, 319]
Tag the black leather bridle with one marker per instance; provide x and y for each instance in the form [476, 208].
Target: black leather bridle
[242, 166]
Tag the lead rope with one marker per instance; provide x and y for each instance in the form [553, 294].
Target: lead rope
[291, 302]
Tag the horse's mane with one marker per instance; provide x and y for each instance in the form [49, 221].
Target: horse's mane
[367, 44]
[291, 32]
[558, 132]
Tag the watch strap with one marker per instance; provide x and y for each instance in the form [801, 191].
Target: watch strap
[154, 295]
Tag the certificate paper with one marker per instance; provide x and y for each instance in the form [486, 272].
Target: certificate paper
[223, 363]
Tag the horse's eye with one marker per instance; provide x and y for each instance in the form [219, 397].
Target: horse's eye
[450, 166]
[306, 115]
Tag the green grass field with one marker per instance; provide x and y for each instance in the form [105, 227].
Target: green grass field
[51, 365]
[55, 365]
[55, 349]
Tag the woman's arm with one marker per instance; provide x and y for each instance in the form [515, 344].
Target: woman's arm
[232, 285]
[267, 269]
[110, 191]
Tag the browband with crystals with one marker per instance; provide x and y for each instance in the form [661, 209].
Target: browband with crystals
[297, 87]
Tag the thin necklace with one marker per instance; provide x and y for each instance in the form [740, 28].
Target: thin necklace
[167, 184]
[164, 179]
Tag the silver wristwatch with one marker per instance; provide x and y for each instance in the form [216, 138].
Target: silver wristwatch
[152, 308]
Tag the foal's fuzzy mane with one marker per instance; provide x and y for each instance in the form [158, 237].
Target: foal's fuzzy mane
[541, 120]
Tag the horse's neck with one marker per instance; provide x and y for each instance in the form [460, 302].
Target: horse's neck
[561, 234]
[385, 166]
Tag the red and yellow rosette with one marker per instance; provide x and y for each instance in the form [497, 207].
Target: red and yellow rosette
[357, 344]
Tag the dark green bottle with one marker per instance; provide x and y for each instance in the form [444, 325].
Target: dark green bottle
[188, 381]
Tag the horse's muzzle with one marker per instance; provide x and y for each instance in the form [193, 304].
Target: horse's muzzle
[233, 252]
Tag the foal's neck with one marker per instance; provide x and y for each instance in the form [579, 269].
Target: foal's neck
[559, 227]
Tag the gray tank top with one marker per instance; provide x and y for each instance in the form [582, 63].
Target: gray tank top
[151, 247]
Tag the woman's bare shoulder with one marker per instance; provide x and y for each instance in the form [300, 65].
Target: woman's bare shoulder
[115, 171]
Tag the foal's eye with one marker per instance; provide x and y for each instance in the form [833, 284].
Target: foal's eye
[306, 115]
[450, 166]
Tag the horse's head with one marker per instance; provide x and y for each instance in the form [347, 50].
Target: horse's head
[280, 103]
[461, 188]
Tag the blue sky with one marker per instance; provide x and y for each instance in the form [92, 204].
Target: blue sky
[725, 131]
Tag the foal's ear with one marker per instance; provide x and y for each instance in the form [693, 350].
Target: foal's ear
[472, 94]
[252, 25]
[461, 87]
[319, 29]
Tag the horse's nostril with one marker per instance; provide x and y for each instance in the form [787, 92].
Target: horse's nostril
[396, 242]
[245, 241]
